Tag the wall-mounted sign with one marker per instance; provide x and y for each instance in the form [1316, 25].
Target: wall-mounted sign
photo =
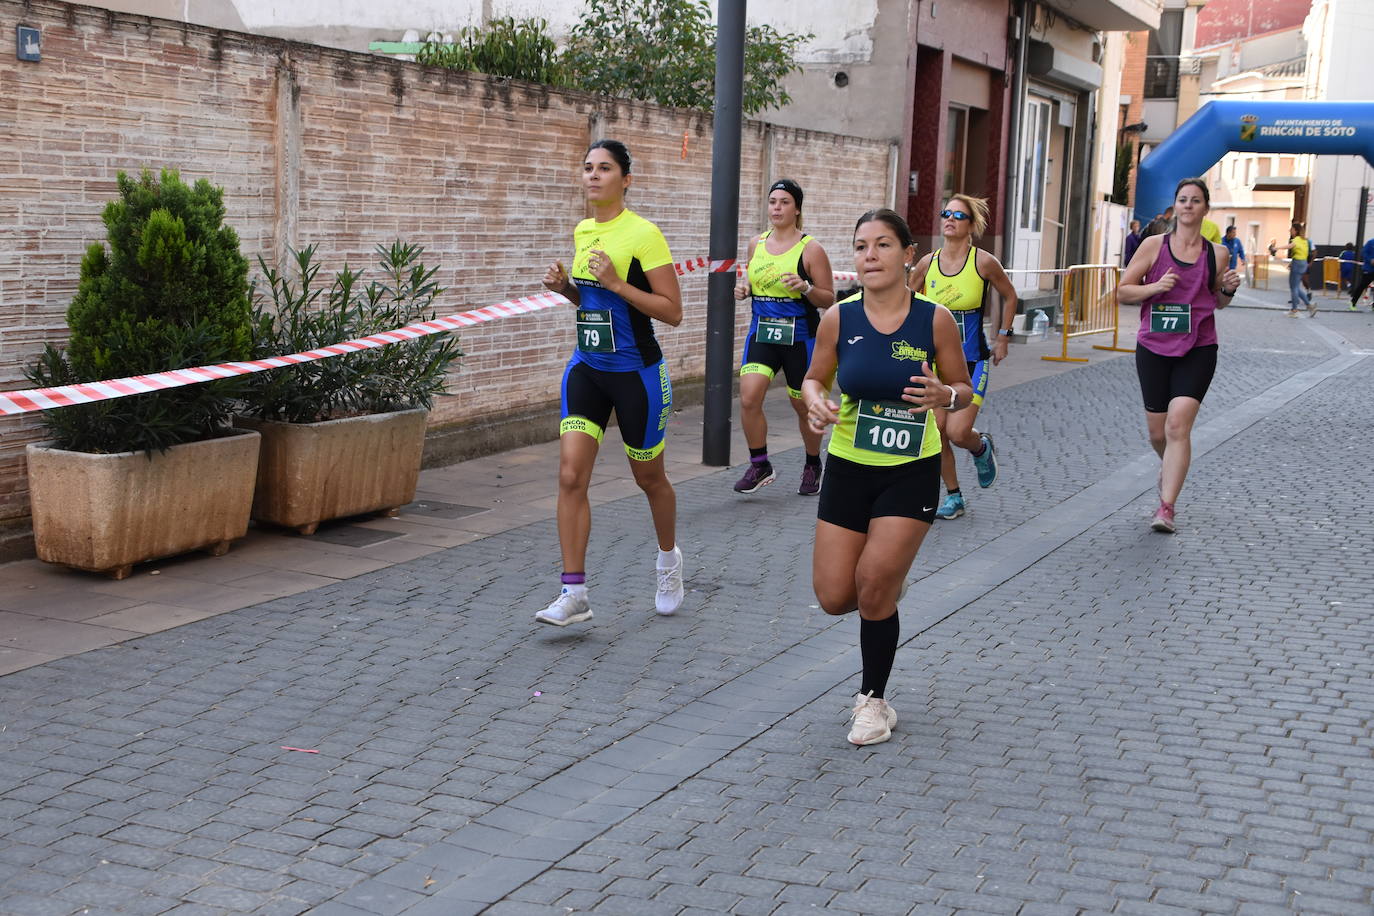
[26, 43]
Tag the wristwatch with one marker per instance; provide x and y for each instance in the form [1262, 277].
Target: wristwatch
[953, 397]
[1004, 332]
[809, 287]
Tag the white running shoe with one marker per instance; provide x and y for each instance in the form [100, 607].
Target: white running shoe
[670, 590]
[873, 720]
[566, 608]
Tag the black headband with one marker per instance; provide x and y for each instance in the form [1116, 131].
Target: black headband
[791, 187]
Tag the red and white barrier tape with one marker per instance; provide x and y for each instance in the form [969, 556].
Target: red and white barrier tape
[32, 399]
[17, 402]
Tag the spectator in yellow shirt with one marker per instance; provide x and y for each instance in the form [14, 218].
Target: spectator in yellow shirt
[1298, 249]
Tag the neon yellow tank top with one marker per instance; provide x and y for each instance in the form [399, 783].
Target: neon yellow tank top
[963, 292]
[765, 283]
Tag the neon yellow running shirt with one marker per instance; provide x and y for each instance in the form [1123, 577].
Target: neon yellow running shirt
[624, 338]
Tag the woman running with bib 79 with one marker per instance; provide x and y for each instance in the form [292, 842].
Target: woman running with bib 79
[622, 277]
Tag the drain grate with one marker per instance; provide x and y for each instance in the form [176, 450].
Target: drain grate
[437, 509]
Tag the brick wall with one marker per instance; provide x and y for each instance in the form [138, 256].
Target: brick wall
[342, 150]
[1133, 85]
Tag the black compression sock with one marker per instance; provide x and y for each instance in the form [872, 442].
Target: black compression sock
[761, 452]
[878, 646]
[813, 460]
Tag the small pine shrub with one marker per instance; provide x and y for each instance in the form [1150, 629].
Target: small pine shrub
[169, 292]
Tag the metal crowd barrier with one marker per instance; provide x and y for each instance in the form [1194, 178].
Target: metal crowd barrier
[1089, 306]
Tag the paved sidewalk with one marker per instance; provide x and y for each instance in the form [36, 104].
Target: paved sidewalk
[1094, 718]
[47, 612]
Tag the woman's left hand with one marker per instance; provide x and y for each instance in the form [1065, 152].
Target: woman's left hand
[793, 282]
[603, 268]
[1231, 279]
[926, 391]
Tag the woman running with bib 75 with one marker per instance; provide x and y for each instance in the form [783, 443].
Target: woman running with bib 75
[789, 278]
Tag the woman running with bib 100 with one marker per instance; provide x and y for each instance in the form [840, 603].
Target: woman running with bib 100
[1176, 280]
[957, 275]
[895, 355]
[622, 276]
[789, 279]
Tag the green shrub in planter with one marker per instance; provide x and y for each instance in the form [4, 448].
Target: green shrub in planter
[170, 292]
[303, 315]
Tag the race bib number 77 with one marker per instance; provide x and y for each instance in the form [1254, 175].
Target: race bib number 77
[1171, 317]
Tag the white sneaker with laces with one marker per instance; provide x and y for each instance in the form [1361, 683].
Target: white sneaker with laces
[566, 608]
[873, 720]
[670, 590]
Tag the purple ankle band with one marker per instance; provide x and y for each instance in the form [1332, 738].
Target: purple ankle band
[574, 579]
[761, 459]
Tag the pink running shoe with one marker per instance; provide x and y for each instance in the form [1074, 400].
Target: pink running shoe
[1163, 519]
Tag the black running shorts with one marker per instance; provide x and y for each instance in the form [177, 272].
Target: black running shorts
[854, 494]
[1163, 378]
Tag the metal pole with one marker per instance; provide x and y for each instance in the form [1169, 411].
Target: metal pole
[1018, 91]
[720, 286]
[1359, 237]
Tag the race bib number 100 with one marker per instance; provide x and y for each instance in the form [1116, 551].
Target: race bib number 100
[1171, 317]
[889, 427]
[595, 333]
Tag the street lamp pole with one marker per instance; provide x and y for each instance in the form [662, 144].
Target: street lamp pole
[720, 286]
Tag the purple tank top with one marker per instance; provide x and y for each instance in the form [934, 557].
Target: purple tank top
[1185, 317]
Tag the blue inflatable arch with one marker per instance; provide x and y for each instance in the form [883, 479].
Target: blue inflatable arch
[1331, 128]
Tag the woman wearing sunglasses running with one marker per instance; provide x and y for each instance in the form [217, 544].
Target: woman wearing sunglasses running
[957, 275]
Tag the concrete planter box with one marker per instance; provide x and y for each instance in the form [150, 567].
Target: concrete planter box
[105, 513]
[312, 472]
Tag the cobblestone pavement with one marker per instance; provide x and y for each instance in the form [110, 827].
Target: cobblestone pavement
[1094, 718]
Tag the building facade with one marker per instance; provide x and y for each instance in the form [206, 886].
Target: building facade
[1003, 99]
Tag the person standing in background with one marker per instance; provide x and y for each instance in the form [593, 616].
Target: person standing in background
[1132, 243]
[1366, 273]
[1233, 245]
[1348, 258]
[1297, 249]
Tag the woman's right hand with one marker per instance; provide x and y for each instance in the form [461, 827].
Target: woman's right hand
[822, 412]
[1166, 282]
[556, 278]
[742, 288]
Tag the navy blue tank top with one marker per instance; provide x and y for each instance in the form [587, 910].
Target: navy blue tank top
[874, 367]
